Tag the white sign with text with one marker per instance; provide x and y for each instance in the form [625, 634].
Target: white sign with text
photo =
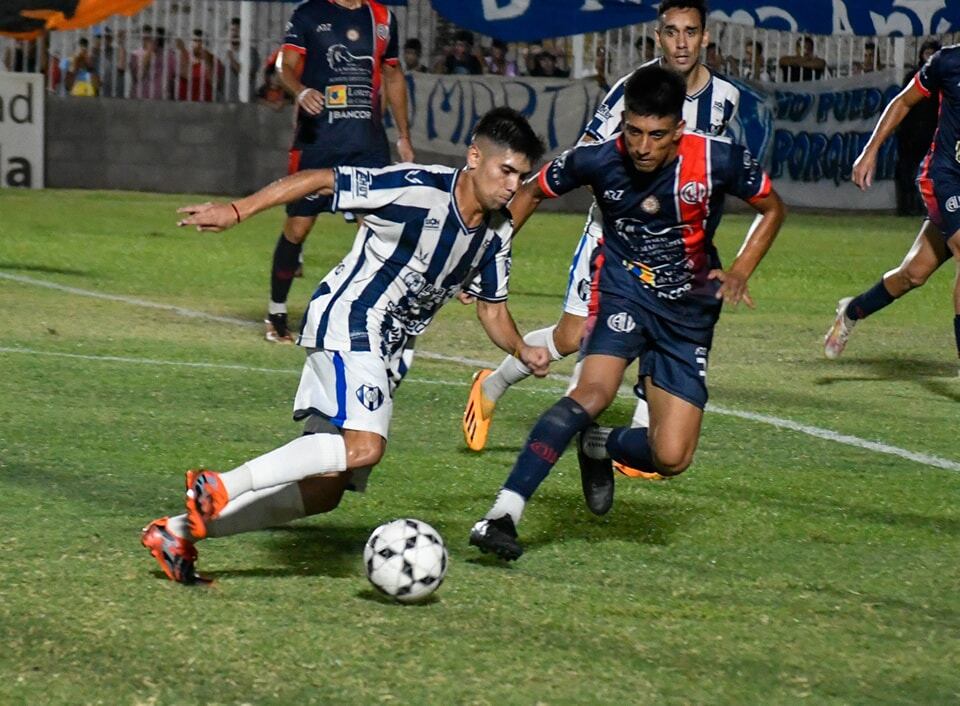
[21, 130]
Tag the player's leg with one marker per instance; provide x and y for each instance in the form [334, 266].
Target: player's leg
[286, 263]
[954, 244]
[550, 436]
[561, 340]
[926, 254]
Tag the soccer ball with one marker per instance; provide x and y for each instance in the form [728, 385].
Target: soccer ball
[405, 559]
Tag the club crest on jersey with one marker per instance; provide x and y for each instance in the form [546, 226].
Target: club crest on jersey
[953, 203]
[353, 35]
[693, 193]
[650, 205]
[383, 31]
[621, 323]
[370, 396]
[583, 290]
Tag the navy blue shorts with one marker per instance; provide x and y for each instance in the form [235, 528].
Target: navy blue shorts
[320, 159]
[941, 195]
[673, 356]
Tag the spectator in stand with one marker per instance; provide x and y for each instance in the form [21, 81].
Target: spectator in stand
[199, 69]
[646, 48]
[914, 137]
[81, 78]
[497, 63]
[461, 59]
[547, 66]
[412, 57]
[271, 93]
[232, 88]
[804, 65]
[714, 60]
[754, 66]
[109, 63]
[869, 63]
[152, 66]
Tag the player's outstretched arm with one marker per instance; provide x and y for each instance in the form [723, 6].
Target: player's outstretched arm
[733, 280]
[498, 322]
[525, 202]
[892, 116]
[215, 217]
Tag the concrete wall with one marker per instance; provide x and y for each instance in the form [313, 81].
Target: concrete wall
[165, 146]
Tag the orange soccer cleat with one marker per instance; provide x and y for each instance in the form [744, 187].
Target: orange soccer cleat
[206, 497]
[634, 473]
[175, 555]
[479, 413]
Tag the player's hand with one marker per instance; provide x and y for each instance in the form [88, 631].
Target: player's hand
[405, 149]
[537, 358]
[863, 170]
[733, 288]
[311, 100]
[465, 298]
[209, 217]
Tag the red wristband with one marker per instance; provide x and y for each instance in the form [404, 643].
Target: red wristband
[236, 210]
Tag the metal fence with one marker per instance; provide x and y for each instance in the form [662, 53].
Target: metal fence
[194, 50]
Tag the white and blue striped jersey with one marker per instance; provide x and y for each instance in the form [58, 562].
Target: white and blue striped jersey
[709, 111]
[412, 254]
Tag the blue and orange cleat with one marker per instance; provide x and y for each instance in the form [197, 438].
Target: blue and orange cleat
[478, 414]
[177, 556]
[205, 499]
[625, 470]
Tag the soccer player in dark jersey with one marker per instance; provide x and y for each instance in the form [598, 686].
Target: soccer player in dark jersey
[710, 104]
[335, 56]
[657, 292]
[938, 180]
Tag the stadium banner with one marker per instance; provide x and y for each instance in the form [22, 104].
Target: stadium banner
[26, 19]
[21, 130]
[862, 17]
[820, 127]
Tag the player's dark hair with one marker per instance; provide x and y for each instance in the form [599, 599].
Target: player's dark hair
[508, 128]
[654, 90]
[414, 44]
[698, 5]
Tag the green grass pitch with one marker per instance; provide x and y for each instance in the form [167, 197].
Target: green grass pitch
[780, 568]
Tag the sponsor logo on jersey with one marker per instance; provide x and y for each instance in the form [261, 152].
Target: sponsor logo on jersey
[414, 178]
[621, 323]
[650, 205]
[324, 27]
[422, 256]
[335, 96]
[701, 356]
[613, 194]
[431, 223]
[361, 183]
[370, 396]
[349, 115]
[343, 63]
[953, 203]
[693, 193]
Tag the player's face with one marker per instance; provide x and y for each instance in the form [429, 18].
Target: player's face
[497, 173]
[681, 36]
[651, 141]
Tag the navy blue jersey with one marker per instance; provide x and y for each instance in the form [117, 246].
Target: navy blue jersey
[657, 231]
[343, 52]
[941, 74]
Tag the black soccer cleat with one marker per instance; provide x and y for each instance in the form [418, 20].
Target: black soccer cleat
[596, 478]
[497, 536]
[278, 330]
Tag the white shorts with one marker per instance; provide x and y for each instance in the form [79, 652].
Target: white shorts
[577, 299]
[353, 389]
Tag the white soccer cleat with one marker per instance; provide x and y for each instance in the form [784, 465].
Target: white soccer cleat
[836, 339]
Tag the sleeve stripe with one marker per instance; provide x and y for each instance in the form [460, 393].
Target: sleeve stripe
[393, 61]
[920, 86]
[764, 192]
[542, 181]
[294, 47]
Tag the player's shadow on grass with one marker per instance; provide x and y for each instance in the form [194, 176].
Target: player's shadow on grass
[333, 551]
[46, 269]
[925, 372]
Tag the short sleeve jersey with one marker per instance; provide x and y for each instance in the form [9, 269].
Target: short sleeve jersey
[941, 75]
[411, 255]
[343, 54]
[657, 232]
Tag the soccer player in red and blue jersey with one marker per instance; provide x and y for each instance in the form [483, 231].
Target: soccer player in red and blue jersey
[657, 292]
[336, 56]
[938, 180]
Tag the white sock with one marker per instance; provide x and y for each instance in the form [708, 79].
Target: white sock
[305, 456]
[574, 377]
[595, 442]
[178, 526]
[507, 503]
[277, 307]
[511, 370]
[641, 415]
[258, 509]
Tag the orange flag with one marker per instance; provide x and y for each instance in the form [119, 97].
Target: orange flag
[26, 19]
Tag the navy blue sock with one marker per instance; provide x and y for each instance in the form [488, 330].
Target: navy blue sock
[548, 439]
[631, 447]
[286, 259]
[871, 301]
[956, 332]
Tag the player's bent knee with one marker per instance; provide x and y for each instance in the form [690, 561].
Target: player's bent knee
[672, 461]
[593, 398]
[323, 493]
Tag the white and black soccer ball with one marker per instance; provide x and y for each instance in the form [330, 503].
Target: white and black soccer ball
[405, 559]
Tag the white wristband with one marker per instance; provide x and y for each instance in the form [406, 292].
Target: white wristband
[302, 93]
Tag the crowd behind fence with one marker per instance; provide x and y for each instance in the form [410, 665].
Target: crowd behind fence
[196, 50]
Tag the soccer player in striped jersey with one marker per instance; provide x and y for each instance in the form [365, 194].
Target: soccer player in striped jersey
[657, 292]
[938, 180]
[430, 233]
[710, 104]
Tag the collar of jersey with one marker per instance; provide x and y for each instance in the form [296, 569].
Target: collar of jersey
[456, 208]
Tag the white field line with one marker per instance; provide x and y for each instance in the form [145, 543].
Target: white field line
[779, 422]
